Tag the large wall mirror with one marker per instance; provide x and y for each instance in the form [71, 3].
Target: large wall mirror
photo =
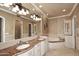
[17, 28]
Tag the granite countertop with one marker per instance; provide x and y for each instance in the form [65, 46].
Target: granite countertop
[12, 51]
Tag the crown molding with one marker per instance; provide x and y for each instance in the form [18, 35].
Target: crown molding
[74, 7]
[39, 9]
[7, 11]
[58, 16]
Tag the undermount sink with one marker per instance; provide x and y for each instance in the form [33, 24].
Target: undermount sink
[23, 46]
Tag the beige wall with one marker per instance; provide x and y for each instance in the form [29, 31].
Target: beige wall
[56, 28]
[10, 25]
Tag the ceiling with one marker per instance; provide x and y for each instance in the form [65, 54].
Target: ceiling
[55, 9]
[31, 8]
[52, 9]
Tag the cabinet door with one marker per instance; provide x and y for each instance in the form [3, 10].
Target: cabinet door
[37, 50]
[46, 45]
[43, 48]
[28, 53]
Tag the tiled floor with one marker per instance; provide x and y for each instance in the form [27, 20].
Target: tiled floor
[63, 52]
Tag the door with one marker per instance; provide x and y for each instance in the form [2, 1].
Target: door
[29, 29]
[0, 28]
[17, 29]
[43, 48]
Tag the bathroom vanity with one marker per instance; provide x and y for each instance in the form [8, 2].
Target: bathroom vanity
[38, 47]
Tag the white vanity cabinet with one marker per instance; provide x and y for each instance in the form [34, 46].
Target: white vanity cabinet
[37, 49]
[28, 53]
[43, 47]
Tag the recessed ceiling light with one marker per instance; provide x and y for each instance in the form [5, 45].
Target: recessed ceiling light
[33, 9]
[47, 14]
[40, 6]
[64, 10]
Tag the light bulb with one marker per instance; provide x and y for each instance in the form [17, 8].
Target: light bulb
[27, 11]
[20, 12]
[38, 19]
[31, 16]
[15, 9]
[34, 16]
[23, 12]
[64, 10]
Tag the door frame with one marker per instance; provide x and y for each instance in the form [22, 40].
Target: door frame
[21, 28]
[3, 29]
[31, 29]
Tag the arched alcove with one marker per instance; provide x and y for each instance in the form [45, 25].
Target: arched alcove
[2, 27]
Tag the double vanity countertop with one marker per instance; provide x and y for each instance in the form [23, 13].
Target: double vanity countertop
[12, 51]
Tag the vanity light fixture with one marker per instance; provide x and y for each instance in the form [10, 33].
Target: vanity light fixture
[27, 12]
[20, 10]
[36, 17]
[16, 7]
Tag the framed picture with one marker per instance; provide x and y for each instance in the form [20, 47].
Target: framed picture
[68, 27]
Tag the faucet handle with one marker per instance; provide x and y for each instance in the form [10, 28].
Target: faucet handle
[20, 42]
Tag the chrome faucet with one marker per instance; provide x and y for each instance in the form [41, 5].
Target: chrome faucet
[21, 42]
